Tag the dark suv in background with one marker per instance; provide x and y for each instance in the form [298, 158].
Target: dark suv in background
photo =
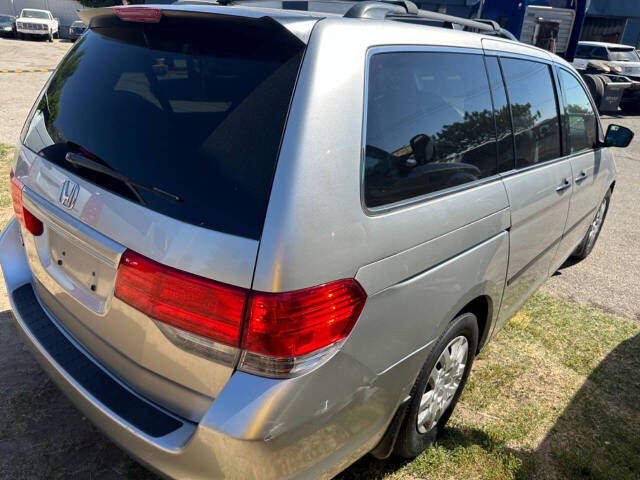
[7, 26]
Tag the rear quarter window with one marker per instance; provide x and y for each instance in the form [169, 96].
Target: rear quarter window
[429, 125]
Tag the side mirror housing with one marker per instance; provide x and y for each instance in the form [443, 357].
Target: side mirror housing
[618, 136]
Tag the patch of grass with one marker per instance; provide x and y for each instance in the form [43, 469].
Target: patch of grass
[6, 158]
[556, 395]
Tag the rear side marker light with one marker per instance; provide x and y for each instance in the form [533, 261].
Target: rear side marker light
[24, 216]
[273, 334]
[139, 14]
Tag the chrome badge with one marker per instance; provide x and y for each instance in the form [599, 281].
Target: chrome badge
[68, 193]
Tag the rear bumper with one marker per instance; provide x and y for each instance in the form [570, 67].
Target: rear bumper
[307, 427]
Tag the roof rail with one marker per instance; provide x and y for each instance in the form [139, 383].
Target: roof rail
[405, 10]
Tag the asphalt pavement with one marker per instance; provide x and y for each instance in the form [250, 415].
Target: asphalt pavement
[609, 278]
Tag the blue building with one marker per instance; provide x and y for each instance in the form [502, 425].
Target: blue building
[616, 21]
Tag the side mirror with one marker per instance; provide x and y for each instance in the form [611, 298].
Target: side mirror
[618, 136]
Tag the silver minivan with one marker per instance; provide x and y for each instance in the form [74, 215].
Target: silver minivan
[261, 243]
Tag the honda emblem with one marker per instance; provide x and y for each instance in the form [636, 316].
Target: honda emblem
[68, 194]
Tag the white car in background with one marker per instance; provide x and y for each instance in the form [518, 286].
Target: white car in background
[34, 22]
[625, 57]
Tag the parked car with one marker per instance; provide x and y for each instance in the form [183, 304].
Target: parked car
[76, 30]
[279, 253]
[7, 26]
[37, 23]
[624, 59]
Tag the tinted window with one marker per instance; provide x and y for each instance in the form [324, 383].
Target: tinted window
[196, 109]
[34, 14]
[599, 53]
[534, 109]
[429, 125]
[591, 52]
[501, 113]
[583, 51]
[579, 114]
[623, 55]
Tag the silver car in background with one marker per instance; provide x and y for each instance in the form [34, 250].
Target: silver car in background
[262, 243]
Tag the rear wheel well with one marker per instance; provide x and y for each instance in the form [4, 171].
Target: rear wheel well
[481, 307]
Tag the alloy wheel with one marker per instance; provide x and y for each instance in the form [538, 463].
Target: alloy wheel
[443, 383]
[596, 225]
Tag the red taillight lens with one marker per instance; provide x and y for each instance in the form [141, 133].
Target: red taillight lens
[139, 14]
[188, 302]
[297, 323]
[24, 216]
[282, 331]
[16, 197]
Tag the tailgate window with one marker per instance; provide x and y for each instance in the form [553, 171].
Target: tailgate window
[189, 112]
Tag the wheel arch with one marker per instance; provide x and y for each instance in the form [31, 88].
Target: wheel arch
[482, 308]
[483, 302]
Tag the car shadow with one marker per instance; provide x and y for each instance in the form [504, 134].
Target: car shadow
[597, 436]
[568, 263]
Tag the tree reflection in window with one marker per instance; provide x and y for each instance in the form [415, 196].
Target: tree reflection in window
[534, 110]
[430, 125]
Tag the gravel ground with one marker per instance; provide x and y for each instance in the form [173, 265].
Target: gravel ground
[18, 91]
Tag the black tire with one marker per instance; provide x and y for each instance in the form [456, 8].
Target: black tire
[411, 442]
[587, 244]
[57, 34]
[596, 87]
[50, 36]
[20, 36]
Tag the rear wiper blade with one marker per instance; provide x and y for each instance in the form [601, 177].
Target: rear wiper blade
[79, 160]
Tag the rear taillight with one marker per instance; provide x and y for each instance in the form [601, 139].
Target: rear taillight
[301, 322]
[24, 216]
[139, 14]
[275, 334]
[188, 302]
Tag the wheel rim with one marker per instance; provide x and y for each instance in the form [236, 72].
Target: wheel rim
[596, 225]
[443, 383]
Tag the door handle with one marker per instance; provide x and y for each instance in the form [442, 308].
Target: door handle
[563, 186]
[581, 177]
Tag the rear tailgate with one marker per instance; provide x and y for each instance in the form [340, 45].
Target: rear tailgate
[184, 119]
